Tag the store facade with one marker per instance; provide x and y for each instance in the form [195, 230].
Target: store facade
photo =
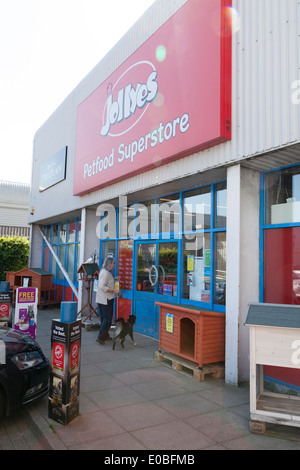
[178, 154]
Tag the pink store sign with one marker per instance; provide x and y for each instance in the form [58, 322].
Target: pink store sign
[169, 99]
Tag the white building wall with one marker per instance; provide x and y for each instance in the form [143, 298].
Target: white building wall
[12, 215]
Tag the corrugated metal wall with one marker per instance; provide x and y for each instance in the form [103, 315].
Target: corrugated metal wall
[14, 200]
[14, 192]
[265, 65]
[13, 216]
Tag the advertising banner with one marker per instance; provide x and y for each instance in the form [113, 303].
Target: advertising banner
[5, 311]
[63, 404]
[169, 99]
[26, 310]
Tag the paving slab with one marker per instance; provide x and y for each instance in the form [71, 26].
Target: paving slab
[130, 401]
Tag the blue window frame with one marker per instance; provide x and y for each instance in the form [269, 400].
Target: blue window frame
[65, 239]
[166, 218]
[279, 207]
[280, 255]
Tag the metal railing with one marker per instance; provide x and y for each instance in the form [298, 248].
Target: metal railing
[6, 231]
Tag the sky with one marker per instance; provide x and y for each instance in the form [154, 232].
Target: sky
[46, 48]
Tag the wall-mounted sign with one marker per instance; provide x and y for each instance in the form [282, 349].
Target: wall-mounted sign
[53, 170]
[169, 99]
[170, 322]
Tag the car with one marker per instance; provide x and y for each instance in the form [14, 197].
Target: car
[24, 370]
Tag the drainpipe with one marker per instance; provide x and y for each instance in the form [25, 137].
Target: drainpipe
[58, 261]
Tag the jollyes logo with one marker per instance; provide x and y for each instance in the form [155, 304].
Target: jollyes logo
[123, 103]
[4, 308]
[58, 351]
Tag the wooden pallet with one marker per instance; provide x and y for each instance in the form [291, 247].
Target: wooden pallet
[258, 427]
[180, 364]
[276, 409]
[90, 324]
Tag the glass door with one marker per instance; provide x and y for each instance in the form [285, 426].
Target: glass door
[156, 280]
[167, 269]
[146, 271]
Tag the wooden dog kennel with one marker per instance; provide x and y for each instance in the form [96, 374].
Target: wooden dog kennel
[192, 333]
[34, 277]
[274, 341]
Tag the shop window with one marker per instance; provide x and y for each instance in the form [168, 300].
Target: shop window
[144, 220]
[169, 215]
[137, 220]
[282, 265]
[52, 267]
[70, 259]
[63, 233]
[146, 254]
[126, 220]
[282, 286]
[167, 268]
[282, 196]
[61, 256]
[48, 231]
[197, 259]
[220, 269]
[197, 219]
[54, 236]
[221, 205]
[281, 258]
[78, 234]
[197, 209]
[108, 249]
[64, 238]
[71, 231]
[107, 226]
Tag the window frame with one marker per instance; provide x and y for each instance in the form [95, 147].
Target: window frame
[266, 226]
[176, 235]
[57, 244]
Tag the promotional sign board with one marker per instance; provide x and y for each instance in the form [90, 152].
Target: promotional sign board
[5, 301]
[169, 99]
[65, 371]
[26, 310]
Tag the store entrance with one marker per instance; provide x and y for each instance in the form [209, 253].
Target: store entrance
[156, 279]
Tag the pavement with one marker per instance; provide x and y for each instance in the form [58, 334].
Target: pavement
[131, 402]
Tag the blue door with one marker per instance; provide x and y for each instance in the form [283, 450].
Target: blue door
[156, 280]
